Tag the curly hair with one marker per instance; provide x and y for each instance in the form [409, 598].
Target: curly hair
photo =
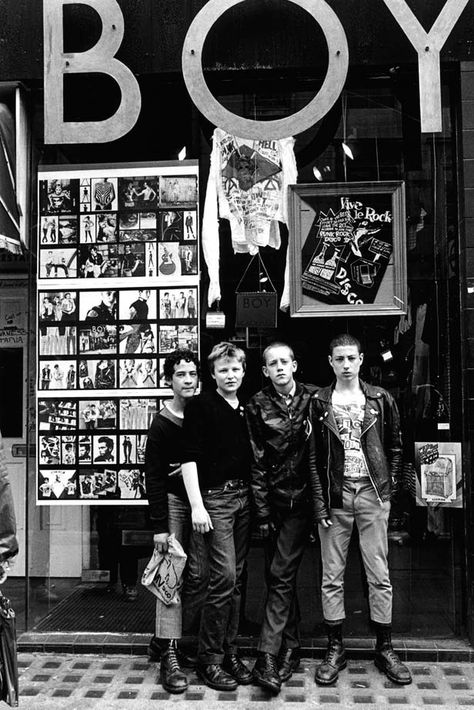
[175, 358]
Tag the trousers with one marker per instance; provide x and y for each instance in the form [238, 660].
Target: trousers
[360, 506]
[172, 619]
[227, 546]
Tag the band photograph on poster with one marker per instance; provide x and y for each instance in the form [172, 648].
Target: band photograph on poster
[117, 290]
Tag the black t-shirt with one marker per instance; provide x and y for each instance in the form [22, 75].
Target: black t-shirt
[216, 438]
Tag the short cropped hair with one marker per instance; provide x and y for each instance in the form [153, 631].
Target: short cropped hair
[107, 441]
[175, 358]
[344, 339]
[225, 349]
[277, 344]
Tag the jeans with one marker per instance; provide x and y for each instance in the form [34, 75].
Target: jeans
[283, 558]
[173, 618]
[371, 517]
[227, 547]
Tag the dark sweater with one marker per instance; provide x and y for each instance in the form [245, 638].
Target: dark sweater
[163, 447]
[216, 438]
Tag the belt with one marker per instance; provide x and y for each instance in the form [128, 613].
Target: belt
[234, 484]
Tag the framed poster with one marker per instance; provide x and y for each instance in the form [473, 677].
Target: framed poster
[117, 290]
[438, 467]
[347, 249]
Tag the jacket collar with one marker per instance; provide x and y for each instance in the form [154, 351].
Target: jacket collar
[370, 391]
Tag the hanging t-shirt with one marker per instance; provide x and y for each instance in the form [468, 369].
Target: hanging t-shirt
[349, 418]
[248, 185]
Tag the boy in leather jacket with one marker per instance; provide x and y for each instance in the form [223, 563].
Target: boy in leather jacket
[355, 461]
[277, 419]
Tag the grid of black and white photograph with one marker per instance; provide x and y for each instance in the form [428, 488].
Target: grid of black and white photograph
[117, 292]
[93, 447]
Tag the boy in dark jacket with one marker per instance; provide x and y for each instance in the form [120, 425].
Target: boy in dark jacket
[277, 419]
[170, 513]
[355, 462]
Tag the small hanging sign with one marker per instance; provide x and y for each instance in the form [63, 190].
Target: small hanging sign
[256, 309]
[215, 319]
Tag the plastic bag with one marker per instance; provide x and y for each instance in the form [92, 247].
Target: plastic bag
[163, 573]
[8, 657]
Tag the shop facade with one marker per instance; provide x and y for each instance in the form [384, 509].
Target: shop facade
[376, 141]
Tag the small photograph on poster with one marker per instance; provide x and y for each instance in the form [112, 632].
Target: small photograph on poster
[141, 446]
[190, 225]
[178, 303]
[85, 195]
[138, 192]
[68, 231]
[98, 339]
[68, 450]
[137, 413]
[168, 339]
[148, 221]
[57, 340]
[58, 263]
[128, 449]
[57, 306]
[106, 226]
[178, 190]
[162, 379]
[49, 230]
[49, 450]
[171, 226]
[87, 229]
[98, 305]
[135, 338]
[53, 374]
[128, 222]
[59, 196]
[97, 374]
[98, 260]
[150, 259]
[188, 258]
[104, 194]
[169, 263]
[438, 474]
[131, 259]
[86, 484]
[188, 337]
[97, 414]
[57, 415]
[84, 453]
[104, 448]
[137, 373]
[138, 305]
[105, 483]
[57, 484]
[131, 483]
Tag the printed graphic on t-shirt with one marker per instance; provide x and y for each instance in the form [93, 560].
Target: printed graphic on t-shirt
[349, 418]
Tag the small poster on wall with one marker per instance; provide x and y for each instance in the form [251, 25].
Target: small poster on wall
[118, 290]
[438, 474]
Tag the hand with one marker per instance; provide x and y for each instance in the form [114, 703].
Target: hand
[201, 520]
[266, 529]
[160, 541]
[325, 523]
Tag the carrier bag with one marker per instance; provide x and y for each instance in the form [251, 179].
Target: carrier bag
[163, 574]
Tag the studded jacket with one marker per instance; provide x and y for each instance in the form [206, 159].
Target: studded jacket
[381, 444]
[279, 438]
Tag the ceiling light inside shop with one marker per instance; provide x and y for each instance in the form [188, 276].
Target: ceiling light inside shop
[182, 153]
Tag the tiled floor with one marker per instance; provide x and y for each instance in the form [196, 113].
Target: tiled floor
[117, 682]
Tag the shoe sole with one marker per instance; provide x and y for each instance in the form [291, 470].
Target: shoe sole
[173, 691]
[275, 689]
[216, 686]
[390, 676]
[330, 682]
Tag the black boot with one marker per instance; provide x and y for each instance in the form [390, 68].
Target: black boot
[265, 672]
[172, 677]
[288, 661]
[386, 660]
[334, 660]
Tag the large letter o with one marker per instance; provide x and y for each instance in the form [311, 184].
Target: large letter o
[333, 84]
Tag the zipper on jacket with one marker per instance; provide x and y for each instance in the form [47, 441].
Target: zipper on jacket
[372, 480]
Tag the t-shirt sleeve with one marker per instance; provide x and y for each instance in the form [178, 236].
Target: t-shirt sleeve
[156, 472]
[194, 431]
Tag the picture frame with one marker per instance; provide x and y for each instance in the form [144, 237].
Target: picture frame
[347, 254]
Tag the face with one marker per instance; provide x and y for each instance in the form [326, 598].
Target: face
[103, 448]
[280, 366]
[346, 361]
[185, 379]
[228, 374]
[108, 297]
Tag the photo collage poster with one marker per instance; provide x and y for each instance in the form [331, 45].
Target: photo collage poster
[118, 290]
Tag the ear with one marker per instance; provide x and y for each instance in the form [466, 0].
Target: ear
[294, 366]
[265, 371]
[330, 359]
[361, 355]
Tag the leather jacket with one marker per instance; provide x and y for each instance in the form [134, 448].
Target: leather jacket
[381, 443]
[279, 438]
[8, 541]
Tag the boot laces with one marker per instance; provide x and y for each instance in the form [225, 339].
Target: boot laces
[332, 653]
[172, 658]
[391, 656]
